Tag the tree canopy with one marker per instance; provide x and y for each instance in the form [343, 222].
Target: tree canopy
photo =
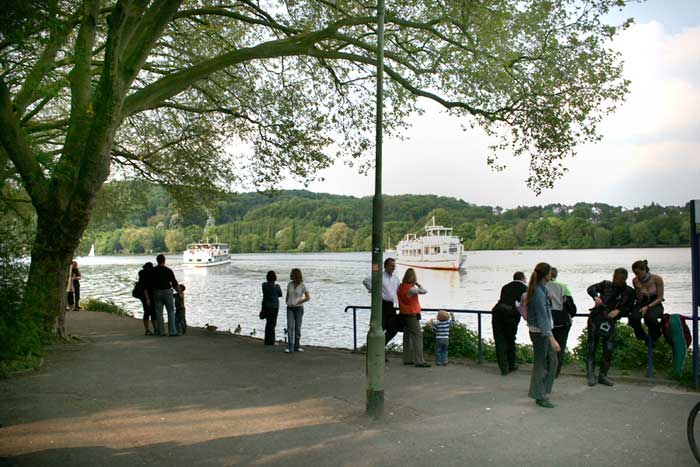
[205, 94]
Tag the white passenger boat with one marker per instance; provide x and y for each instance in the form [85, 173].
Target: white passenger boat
[438, 249]
[206, 254]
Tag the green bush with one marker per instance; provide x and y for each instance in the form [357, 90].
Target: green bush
[465, 343]
[631, 354]
[104, 306]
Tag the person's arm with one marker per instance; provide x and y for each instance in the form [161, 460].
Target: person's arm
[417, 290]
[594, 292]
[278, 290]
[367, 282]
[173, 281]
[307, 297]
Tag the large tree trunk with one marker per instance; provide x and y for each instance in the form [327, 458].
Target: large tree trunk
[54, 245]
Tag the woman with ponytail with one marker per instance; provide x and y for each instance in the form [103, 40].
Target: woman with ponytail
[650, 296]
[539, 321]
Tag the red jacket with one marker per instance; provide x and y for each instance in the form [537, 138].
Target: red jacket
[408, 304]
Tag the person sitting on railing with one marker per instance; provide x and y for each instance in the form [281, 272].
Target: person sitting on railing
[613, 300]
[649, 289]
[563, 309]
[390, 284]
[504, 322]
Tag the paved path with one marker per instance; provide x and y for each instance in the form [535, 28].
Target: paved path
[123, 399]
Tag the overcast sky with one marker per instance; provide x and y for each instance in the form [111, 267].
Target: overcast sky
[650, 150]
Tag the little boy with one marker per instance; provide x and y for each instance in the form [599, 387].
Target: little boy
[180, 322]
[442, 337]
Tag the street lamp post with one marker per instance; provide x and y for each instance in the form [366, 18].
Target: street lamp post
[375, 336]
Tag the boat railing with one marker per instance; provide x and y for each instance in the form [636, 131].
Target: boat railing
[479, 313]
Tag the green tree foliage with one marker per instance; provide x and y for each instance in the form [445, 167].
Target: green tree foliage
[298, 221]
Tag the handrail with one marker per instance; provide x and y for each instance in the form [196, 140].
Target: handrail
[354, 308]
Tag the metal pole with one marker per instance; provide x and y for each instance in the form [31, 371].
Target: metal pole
[481, 354]
[375, 336]
[695, 262]
[354, 329]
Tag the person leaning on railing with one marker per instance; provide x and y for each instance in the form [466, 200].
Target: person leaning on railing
[539, 321]
[649, 289]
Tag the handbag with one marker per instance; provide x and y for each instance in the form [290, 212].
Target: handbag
[263, 313]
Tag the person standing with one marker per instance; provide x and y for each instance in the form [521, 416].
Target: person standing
[649, 289]
[297, 295]
[563, 309]
[409, 310]
[147, 301]
[75, 277]
[390, 284]
[539, 321]
[612, 300]
[442, 337]
[504, 322]
[164, 283]
[270, 305]
[70, 296]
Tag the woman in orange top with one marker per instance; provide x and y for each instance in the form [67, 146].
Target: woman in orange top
[409, 310]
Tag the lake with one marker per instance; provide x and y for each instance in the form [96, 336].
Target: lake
[229, 295]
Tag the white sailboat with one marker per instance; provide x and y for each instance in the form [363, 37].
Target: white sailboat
[92, 250]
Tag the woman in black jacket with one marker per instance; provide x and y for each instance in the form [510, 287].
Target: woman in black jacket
[270, 306]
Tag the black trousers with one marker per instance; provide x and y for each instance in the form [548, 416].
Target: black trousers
[504, 322]
[593, 339]
[76, 293]
[390, 321]
[270, 323]
[561, 335]
[652, 319]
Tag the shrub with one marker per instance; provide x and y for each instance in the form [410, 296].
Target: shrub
[104, 306]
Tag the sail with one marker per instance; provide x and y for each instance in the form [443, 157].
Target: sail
[92, 250]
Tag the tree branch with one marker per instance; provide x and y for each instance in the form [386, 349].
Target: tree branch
[19, 152]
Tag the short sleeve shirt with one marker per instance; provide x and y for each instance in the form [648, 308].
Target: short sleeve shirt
[295, 293]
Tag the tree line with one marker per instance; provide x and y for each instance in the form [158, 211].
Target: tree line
[137, 217]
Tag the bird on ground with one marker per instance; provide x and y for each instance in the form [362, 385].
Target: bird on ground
[237, 330]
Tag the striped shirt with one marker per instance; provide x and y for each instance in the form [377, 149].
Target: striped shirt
[442, 329]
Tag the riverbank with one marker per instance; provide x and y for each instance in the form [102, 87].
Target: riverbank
[121, 398]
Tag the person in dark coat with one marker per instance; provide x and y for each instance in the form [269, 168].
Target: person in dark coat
[613, 300]
[270, 306]
[505, 320]
[147, 302]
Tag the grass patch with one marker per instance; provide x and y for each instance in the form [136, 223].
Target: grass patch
[103, 306]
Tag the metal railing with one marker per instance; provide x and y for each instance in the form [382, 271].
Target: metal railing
[354, 308]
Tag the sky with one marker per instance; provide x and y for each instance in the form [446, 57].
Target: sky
[650, 150]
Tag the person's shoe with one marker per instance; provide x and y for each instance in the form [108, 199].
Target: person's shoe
[438, 363]
[545, 403]
[299, 350]
[603, 379]
[148, 333]
[287, 351]
[408, 363]
[504, 372]
[591, 380]
[422, 365]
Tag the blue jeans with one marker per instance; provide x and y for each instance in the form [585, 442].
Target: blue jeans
[441, 351]
[295, 315]
[165, 297]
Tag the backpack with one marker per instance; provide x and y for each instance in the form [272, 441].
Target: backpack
[522, 307]
[137, 292]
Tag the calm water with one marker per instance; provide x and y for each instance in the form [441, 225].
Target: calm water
[229, 295]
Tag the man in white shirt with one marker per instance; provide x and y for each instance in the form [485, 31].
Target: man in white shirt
[390, 284]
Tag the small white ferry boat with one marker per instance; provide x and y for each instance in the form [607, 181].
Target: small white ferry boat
[206, 254]
[438, 249]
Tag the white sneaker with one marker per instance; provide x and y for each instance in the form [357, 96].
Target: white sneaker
[300, 349]
[286, 350]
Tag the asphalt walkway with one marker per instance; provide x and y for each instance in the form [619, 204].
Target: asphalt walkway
[212, 399]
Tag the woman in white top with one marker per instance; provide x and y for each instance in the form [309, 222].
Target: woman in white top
[297, 295]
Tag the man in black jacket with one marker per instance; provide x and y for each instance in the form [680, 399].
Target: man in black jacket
[613, 300]
[163, 282]
[505, 320]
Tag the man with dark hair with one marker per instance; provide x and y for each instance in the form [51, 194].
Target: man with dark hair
[505, 320]
[613, 300]
[163, 282]
[390, 284]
